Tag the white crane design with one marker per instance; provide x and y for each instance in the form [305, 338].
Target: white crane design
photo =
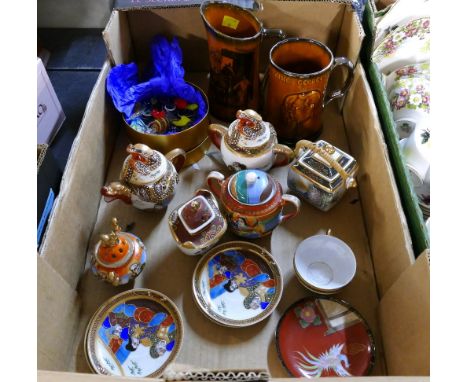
[332, 359]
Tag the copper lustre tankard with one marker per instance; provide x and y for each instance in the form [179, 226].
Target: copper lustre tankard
[234, 35]
[296, 87]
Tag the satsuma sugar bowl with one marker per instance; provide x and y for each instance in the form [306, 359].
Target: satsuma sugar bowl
[253, 202]
[118, 257]
[198, 224]
[321, 174]
[249, 142]
[148, 179]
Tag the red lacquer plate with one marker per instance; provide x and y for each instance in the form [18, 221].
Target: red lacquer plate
[324, 337]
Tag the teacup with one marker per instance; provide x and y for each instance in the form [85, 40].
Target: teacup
[408, 44]
[324, 264]
[410, 102]
[416, 151]
[421, 70]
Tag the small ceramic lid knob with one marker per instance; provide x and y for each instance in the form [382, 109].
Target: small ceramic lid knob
[252, 187]
[248, 131]
[196, 214]
[118, 256]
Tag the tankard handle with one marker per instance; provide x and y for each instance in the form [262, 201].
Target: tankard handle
[338, 93]
[273, 32]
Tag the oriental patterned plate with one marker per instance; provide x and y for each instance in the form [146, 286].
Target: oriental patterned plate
[324, 337]
[136, 333]
[237, 284]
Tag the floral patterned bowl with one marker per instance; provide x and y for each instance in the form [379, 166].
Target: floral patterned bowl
[421, 70]
[410, 102]
[408, 44]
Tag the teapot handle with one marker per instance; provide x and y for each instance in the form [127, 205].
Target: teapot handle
[349, 181]
[215, 180]
[216, 133]
[177, 158]
[283, 155]
[296, 203]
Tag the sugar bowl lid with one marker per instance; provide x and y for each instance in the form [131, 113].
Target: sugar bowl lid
[114, 249]
[248, 131]
[196, 214]
[252, 187]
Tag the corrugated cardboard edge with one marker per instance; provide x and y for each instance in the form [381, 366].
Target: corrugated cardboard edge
[118, 51]
[404, 314]
[387, 266]
[217, 375]
[50, 376]
[72, 209]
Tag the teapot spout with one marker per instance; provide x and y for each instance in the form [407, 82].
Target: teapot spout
[216, 132]
[116, 190]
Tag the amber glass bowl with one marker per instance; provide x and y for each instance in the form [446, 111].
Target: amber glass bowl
[187, 139]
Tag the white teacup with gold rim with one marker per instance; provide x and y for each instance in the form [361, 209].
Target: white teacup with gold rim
[249, 143]
[324, 264]
[416, 150]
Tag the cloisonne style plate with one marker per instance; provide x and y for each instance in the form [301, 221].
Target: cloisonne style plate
[136, 333]
[324, 337]
[237, 284]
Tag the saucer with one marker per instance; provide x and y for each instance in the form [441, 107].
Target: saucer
[324, 264]
[136, 333]
[324, 337]
[237, 284]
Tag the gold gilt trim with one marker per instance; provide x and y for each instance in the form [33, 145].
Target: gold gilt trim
[98, 317]
[253, 249]
[188, 244]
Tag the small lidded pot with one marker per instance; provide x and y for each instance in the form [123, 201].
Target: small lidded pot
[253, 202]
[118, 257]
[148, 179]
[321, 173]
[249, 142]
[198, 224]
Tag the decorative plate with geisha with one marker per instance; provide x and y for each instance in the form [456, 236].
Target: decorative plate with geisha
[237, 284]
[324, 337]
[136, 333]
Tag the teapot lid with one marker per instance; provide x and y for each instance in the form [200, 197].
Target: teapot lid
[143, 165]
[115, 249]
[196, 214]
[248, 131]
[252, 187]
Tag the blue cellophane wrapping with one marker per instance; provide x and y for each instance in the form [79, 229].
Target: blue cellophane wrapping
[166, 79]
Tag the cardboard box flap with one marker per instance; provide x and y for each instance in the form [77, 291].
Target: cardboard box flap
[404, 321]
[132, 32]
[51, 376]
[118, 42]
[75, 209]
[55, 338]
[129, 5]
[375, 169]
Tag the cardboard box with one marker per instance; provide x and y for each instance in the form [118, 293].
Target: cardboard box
[409, 199]
[50, 115]
[390, 289]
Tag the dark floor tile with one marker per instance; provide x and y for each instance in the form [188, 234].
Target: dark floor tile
[73, 89]
[73, 48]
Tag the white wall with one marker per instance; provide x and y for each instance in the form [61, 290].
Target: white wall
[73, 13]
